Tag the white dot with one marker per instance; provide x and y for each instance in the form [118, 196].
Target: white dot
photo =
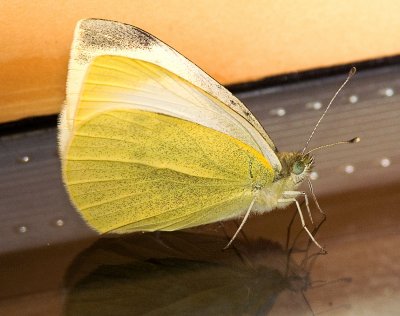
[317, 105]
[388, 92]
[22, 229]
[59, 222]
[349, 169]
[281, 112]
[24, 159]
[314, 105]
[278, 112]
[353, 99]
[314, 175]
[385, 162]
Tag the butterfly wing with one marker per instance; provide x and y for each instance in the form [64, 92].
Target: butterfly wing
[134, 170]
[100, 37]
[150, 142]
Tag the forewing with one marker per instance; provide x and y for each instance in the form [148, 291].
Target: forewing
[100, 37]
[121, 82]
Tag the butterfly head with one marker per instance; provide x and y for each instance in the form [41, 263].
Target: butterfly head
[295, 167]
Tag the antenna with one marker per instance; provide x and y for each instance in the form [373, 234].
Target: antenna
[350, 141]
[351, 74]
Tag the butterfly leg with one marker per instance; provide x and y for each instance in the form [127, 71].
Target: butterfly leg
[315, 198]
[294, 194]
[303, 223]
[246, 216]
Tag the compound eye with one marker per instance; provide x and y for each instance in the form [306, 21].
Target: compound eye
[298, 167]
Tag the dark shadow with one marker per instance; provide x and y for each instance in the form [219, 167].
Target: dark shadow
[184, 273]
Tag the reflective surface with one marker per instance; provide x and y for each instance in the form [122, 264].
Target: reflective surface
[52, 264]
[182, 274]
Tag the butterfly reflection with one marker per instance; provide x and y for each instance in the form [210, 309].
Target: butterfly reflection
[184, 273]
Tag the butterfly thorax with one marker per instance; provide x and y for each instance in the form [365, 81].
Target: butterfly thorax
[295, 169]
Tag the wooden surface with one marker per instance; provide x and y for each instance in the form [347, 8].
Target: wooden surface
[234, 41]
[359, 275]
[43, 239]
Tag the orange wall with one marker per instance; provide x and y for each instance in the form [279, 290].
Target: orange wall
[234, 41]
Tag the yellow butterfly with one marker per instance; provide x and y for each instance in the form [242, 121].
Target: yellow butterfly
[148, 141]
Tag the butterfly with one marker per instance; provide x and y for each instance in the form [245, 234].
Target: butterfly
[150, 142]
